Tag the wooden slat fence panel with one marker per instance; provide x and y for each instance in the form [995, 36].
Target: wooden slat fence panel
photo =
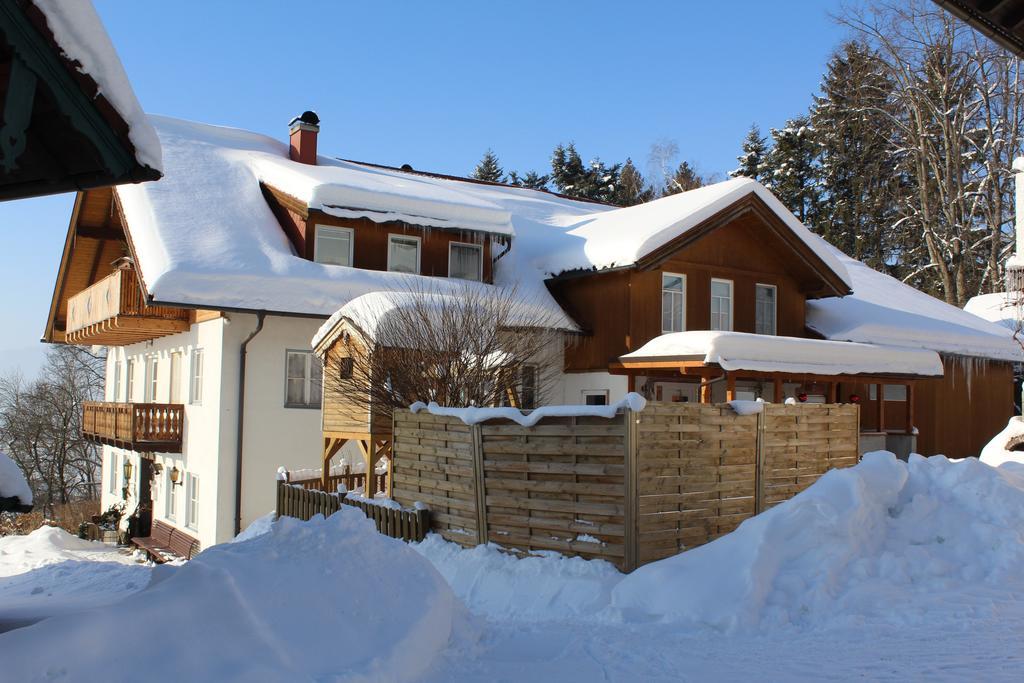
[409, 524]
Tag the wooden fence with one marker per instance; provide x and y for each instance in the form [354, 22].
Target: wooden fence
[630, 489]
[351, 481]
[407, 524]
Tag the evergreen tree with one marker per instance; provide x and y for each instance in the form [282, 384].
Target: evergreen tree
[567, 170]
[852, 120]
[790, 168]
[531, 180]
[755, 149]
[684, 179]
[632, 189]
[489, 168]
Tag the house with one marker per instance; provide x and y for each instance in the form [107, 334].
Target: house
[71, 120]
[208, 285]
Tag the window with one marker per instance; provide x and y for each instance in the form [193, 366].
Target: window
[152, 374]
[303, 379]
[893, 392]
[764, 309]
[528, 382]
[721, 304]
[595, 398]
[333, 245]
[175, 393]
[466, 261]
[192, 502]
[404, 254]
[196, 377]
[130, 382]
[673, 302]
[345, 367]
[117, 382]
[172, 494]
[112, 486]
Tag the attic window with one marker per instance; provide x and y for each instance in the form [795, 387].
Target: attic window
[345, 368]
[404, 254]
[333, 245]
[465, 261]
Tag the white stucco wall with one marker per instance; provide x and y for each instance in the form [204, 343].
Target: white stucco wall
[575, 386]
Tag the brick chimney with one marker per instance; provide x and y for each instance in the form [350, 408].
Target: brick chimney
[302, 131]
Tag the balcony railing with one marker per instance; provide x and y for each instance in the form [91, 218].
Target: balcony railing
[113, 312]
[153, 427]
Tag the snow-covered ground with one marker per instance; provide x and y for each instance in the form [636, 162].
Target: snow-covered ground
[884, 571]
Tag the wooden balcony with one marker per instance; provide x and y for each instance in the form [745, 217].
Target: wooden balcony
[155, 427]
[113, 312]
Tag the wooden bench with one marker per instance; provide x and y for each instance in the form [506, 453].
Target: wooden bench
[166, 543]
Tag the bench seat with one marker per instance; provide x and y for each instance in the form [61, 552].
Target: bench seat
[166, 543]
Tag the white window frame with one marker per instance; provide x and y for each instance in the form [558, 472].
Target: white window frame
[596, 392]
[112, 486]
[334, 229]
[195, 377]
[682, 312]
[191, 502]
[307, 381]
[732, 297]
[152, 379]
[419, 249]
[116, 389]
[775, 308]
[174, 385]
[480, 265]
[129, 392]
[171, 504]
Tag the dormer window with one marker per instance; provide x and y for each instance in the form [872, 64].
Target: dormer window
[404, 254]
[466, 261]
[333, 245]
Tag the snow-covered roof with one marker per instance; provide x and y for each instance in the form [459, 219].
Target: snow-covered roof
[999, 308]
[370, 312]
[80, 34]
[884, 310]
[766, 353]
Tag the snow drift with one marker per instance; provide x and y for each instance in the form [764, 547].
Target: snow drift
[998, 450]
[306, 601]
[882, 540]
[12, 481]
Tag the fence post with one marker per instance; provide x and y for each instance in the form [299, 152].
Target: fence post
[631, 515]
[759, 460]
[478, 485]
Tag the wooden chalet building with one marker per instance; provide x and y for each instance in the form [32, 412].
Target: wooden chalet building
[208, 286]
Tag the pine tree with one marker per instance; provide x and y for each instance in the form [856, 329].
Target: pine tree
[632, 188]
[755, 149]
[684, 179]
[489, 168]
[567, 171]
[531, 180]
[852, 120]
[790, 168]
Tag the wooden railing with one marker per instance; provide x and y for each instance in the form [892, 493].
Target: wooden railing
[409, 524]
[118, 296]
[351, 481]
[138, 426]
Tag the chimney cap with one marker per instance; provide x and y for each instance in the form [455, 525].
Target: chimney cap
[308, 117]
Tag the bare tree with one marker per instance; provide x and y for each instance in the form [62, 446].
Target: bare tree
[41, 425]
[477, 346]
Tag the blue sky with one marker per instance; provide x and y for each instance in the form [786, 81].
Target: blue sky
[435, 84]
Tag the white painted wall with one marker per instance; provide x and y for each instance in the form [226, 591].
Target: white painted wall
[576, 384]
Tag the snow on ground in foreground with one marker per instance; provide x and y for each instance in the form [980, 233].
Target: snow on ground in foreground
[50, 571]
[327, 599]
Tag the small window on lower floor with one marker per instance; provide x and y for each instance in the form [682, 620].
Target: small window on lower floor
[192, 502]
[595, 398]
[893, 392]
[303, 380]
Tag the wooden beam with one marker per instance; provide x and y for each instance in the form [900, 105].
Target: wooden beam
[910, 408]
[777, 388]
[705, 391]
[880, 405]
[832, 391]
[730, 387]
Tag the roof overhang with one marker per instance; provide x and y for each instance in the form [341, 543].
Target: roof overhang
[1000, 20]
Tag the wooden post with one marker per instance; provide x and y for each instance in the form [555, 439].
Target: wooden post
[730, 387]
[705, 390]
[631, 534]
[832, 391]
[880, 405]
[369, 478]
[759, 462]
[777, 386]
[478, 485]
[910, 407]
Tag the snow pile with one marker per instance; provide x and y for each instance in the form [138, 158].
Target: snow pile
[765, 353]
[544, 586]
[747, 407]
[321, 600]
[80, 34]
[258, 527]
[999, 307]
[472, 416]
[997, 451]
[12, 481]
[882, 540]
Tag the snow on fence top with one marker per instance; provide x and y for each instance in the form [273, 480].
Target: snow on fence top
[765, 353]
[12, 481]
[82, 38]
[472, 415]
